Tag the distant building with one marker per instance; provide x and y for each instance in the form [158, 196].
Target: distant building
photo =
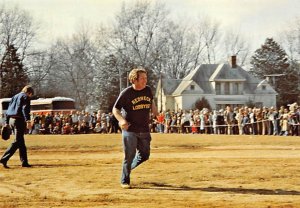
[219, 84]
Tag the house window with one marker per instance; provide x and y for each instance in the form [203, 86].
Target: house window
[192, 87]
[218, 88]
[264, 87]
[235, 88]
[226, 88]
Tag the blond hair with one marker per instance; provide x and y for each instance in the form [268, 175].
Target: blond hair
[134, 74]
[28, 89]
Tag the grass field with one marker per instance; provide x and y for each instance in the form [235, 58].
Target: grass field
[183, 171]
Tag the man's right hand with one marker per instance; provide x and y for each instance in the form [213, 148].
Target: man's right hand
[124, 125]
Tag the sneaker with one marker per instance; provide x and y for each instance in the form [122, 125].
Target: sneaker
[26, 165]
[4, 163]
[125, 186]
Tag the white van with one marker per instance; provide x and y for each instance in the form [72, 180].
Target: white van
[4, 102]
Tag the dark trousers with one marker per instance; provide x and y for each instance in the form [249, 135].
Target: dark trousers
[18, 143]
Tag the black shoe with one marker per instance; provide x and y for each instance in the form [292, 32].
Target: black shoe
[4, 163]
[26, 165]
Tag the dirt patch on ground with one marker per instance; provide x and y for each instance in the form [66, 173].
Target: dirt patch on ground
[183, 171]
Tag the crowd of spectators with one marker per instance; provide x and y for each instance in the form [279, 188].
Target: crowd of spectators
[232, 121]
[79, 122]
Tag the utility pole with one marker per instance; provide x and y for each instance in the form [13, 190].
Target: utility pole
[161, 90]
[1, 83]
[127, 75]
[120, 80]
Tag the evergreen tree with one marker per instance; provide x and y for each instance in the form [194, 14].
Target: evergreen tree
[13, 77]
[202, 103]
[271, 60]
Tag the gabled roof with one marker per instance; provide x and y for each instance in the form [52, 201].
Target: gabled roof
[268, 89]
[226, 72]
[169, 85]
[184, 87]
[205, 74]
[201, 75]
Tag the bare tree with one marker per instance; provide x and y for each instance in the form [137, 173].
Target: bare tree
[177, 56]
[290, 39]
[16, 28]
[136, 39]
[236, 44]
[74, 69]
[190, 45]
[39, 64]
[143, 34]
[210, 37]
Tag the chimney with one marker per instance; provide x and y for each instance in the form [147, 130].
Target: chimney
[233, 62]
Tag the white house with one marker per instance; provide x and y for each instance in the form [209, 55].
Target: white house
[220, 85]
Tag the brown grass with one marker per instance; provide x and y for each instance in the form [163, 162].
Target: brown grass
[183, 171]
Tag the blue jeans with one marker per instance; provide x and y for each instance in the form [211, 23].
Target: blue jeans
[136, 149]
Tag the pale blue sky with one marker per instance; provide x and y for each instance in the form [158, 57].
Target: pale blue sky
[257, 19]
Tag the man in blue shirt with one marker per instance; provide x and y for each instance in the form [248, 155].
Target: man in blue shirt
[19, 112]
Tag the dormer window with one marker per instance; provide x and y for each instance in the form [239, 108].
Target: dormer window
[192, 87]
